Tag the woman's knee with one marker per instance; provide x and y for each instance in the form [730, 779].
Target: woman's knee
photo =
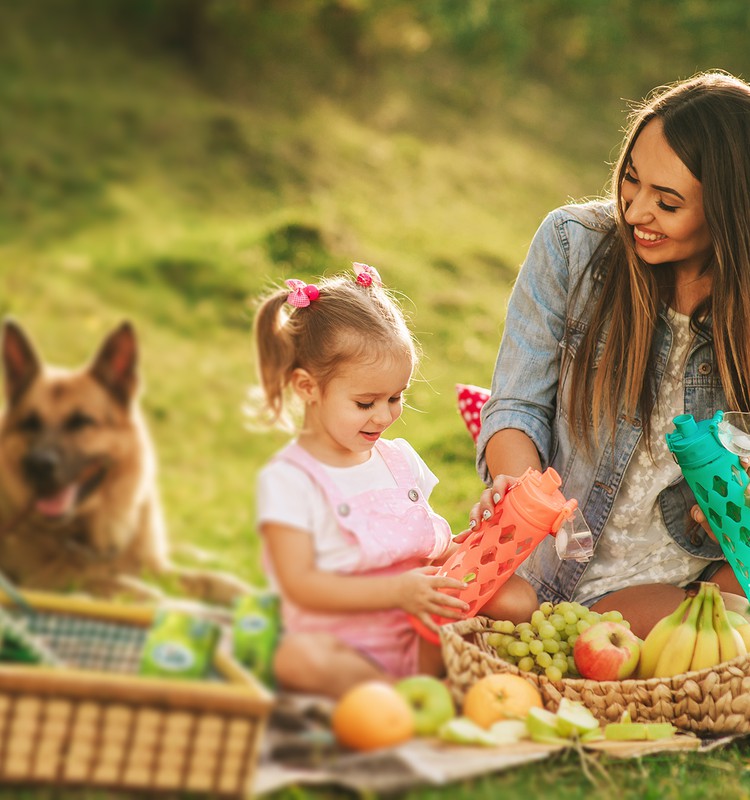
[516, 601]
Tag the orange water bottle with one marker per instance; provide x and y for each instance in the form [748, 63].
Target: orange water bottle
[531, 509]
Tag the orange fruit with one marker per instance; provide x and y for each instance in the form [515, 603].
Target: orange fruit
[372, 715]
[500, 696]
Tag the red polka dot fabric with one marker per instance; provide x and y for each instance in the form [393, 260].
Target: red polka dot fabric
[470, 402]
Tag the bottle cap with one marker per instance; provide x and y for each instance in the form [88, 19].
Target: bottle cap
[694, 444]
[537, 497]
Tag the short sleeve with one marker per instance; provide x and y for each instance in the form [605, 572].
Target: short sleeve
[426, 479]
[278, 483]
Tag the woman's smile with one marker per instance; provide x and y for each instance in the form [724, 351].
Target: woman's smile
[647, 238]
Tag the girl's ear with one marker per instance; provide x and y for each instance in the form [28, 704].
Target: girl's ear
[304, 385]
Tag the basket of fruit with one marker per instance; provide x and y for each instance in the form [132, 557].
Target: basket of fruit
[692, 670]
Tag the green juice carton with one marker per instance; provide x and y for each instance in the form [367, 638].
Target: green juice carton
[179, 645]
[255, 633]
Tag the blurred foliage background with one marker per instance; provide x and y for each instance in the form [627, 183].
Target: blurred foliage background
[167, 160]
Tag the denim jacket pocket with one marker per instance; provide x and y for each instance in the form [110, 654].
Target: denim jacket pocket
[675, 503]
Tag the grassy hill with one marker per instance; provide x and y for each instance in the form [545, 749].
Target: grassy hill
[135, 186]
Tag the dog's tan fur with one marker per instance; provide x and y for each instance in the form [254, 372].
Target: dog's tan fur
[79, 505]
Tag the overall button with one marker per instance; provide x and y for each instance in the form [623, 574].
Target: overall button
[704, 368]
[696, 539]
[343, 510]
[413, 495]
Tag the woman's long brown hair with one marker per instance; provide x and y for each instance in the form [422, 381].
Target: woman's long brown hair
[706, 121]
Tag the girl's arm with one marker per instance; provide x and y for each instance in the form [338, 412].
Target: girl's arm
[416, 591]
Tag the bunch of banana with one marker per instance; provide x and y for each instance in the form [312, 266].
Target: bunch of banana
[699, 633]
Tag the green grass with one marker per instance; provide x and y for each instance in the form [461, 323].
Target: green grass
[135, 184]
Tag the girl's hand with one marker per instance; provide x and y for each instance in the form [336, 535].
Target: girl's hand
[418, 594]
[487, 501]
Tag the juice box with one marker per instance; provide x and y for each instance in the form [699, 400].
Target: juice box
[179, 645]
[255, 633]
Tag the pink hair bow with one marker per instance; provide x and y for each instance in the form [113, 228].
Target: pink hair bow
[366, 275]
[302, 293]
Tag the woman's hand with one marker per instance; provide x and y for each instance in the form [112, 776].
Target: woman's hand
[700, 517]
[418, 595]
[484, 509]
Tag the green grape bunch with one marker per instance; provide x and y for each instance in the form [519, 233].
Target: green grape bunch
[545, 644]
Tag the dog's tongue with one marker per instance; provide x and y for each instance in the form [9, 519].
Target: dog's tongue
[58, 504]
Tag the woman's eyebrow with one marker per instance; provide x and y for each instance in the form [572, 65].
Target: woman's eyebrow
[667, 190]
[658, 188]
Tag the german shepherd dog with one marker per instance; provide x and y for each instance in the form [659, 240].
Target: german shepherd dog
[79, 505]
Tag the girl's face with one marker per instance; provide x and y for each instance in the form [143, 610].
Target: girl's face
[663, 204]
[347, 417]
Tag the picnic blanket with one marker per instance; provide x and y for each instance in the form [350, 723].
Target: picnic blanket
[299, 750]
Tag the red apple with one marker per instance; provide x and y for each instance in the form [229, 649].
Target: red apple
[607, 651]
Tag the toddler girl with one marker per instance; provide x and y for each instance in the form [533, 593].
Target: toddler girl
[349, 537]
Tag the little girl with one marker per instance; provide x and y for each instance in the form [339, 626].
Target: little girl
[349, 537]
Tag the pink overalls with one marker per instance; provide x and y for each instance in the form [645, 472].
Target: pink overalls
[396, 531]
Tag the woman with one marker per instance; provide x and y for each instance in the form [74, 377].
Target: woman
[625, 314]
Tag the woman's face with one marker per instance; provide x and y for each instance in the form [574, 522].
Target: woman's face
[663, 203]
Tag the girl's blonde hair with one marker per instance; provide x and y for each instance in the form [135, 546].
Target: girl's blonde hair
[347, 322]
[706, 121]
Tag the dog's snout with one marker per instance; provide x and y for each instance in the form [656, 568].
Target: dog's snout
[42, 468]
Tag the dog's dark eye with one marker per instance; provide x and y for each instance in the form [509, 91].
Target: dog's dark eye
[32, 423]
[77, 421]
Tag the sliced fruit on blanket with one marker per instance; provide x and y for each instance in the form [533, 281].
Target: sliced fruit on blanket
[462, 730]
[542, 727]
[638, 731]
[509, 731]
[574, 719]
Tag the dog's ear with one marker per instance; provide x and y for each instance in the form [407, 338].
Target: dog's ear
[20, 361]
[115, 365]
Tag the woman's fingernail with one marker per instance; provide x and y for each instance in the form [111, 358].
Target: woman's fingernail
[496, 498]
[472, 524]
[486, 514]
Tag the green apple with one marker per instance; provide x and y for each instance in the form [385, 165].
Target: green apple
[430, 702]
[462, 730]
[574, 719]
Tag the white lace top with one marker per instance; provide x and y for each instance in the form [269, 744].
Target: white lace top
[635, 547]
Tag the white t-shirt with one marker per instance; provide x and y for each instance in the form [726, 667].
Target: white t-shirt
[287, 495]
[635, 546]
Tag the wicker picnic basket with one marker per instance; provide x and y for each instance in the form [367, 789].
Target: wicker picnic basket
[710, 702]
[96, 723]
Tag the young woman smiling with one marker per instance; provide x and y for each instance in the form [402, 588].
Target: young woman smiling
[626, 313]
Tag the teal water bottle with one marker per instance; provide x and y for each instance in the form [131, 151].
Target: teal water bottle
[718, 482]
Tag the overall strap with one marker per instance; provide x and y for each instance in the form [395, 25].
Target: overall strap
[396, 462]
[294, 454]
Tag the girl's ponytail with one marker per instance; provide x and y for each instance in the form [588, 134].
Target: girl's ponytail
[275, 355]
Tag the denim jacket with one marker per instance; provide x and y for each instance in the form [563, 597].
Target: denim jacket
[531, 392]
